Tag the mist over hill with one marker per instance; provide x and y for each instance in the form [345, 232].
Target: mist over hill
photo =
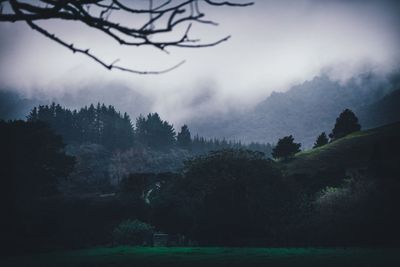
[17, 105]
[307, 109]
[381, 112]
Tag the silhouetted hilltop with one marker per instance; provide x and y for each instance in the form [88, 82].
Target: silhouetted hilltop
[306, 110]
[357, 150]
[381, 112]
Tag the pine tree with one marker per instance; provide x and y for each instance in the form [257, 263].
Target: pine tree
[184, 139]
[154, 132]
[99, 125]
[321, 140]
[33, 115]
[346, 123]
[286, 148]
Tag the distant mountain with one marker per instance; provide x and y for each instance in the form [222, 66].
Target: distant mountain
[304, 111]
[381, 112]
[15, 105]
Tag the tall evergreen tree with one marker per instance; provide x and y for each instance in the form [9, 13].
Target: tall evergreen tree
[346, 123]
[321, 140]
[100, 125]
[32, 157]
[184, 139]
[286, 148]
[154, 132]
[33, 115]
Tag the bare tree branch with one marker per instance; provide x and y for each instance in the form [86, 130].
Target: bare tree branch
[155, 19]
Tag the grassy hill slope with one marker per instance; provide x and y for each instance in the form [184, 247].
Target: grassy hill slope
[357, 150]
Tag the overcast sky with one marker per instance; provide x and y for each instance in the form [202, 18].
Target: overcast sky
[274, 44]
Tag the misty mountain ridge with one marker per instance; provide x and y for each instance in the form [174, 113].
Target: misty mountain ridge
[16, 105]
[382, 112]
[305, 110]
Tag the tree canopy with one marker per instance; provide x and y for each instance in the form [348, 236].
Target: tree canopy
[184, 138]
[220, 195]
[32, 159]
[101, 124]
[154, 132]
[105, 126]
[286, 148]
[322, 139]
[346, 123]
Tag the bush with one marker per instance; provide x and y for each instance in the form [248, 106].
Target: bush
[226, 197]
[353, 193]
[347, 214]
[133, 232]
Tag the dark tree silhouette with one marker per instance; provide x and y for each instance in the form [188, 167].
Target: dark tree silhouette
[156, 19]
[100, 125]
[103, 125]
[32, 163]
[32, 159]
[224, 197]
[154, 133]
[321, 140]
[286, 148]
[184, 139]
[346, 123]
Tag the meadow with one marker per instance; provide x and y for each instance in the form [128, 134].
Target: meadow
[209, 256]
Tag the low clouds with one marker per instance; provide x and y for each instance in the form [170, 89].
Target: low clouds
[274, 45]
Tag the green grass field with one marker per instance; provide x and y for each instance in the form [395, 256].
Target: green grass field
[184, 256]
[352, 151]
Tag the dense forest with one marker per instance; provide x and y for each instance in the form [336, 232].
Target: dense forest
[108, 146]
[108, 184]
[275, 145]
[105, 126]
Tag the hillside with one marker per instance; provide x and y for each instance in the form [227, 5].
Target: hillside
[357, 150]
[306, 110]
[381, 112]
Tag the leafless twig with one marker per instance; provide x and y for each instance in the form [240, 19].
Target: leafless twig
[163, 17]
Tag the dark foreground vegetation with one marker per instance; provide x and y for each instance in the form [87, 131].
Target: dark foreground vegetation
[344, 192]
[212, 256]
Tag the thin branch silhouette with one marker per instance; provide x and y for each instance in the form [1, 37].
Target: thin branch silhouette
[161, 18]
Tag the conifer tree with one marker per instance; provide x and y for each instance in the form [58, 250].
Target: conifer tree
[286, 148]
[33, 115]
[321, 140]
[154, 132]
[99, 125]
[184, 139]
[346, 123]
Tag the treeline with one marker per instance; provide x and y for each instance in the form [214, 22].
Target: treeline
[346, 123]
[108, 127]
[231, 197]
[101, 124]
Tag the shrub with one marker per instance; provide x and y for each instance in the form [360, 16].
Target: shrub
[133, 232]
